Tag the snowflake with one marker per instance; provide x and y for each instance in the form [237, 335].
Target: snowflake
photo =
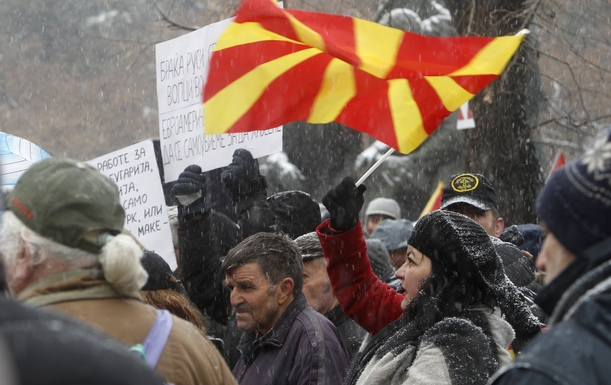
[597, 156]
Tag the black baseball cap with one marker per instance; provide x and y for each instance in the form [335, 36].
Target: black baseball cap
[472, 189]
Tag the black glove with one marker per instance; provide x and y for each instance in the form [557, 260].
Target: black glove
[189, 193]
[242, 177]
[344, 203]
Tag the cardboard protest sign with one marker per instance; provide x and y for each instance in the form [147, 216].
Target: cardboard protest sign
[182, 68]
[134, 170]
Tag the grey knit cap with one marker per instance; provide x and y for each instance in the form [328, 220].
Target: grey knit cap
[384, 206]
[309, 245]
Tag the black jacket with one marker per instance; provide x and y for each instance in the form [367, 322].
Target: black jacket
[204, 241]
[577, 346]
[303, 348]
[46, 348]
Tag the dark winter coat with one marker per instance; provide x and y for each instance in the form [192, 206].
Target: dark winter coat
[204, 241]
[577, 346]
[303, 348]
[47, 348]
[521, 272]
[518, 268]
[352, 334]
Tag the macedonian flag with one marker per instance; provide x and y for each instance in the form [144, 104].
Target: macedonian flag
[273, 66]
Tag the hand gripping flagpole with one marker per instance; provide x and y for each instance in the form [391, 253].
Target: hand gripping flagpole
[373, 168]
[390, 151]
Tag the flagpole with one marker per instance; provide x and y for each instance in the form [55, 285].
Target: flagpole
[373, 168]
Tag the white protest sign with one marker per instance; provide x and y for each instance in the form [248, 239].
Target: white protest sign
[134, 170]
[465, 119]
[182, 67]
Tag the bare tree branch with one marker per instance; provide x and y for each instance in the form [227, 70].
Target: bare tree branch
[172, 23]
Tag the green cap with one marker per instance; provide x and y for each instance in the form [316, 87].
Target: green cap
[62, 200]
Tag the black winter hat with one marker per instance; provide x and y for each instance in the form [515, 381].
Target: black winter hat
[472, 189]
[297, 213]
[533, 238]
[459, 244]
[464, 251]
[575, 203]
[160, 274]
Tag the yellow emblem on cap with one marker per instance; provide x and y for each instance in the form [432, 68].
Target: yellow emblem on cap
[465, 183]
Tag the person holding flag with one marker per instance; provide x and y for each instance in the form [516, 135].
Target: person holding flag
[444, 326]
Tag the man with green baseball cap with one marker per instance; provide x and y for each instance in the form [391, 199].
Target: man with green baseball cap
[68, 202]
[63, 247]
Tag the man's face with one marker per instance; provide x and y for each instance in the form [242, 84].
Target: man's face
[317, 287]
[398, 257]
[373, 221]
[493, 227]
[553, 258]
[254, 299]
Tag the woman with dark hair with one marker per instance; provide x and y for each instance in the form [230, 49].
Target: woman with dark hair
[455, 315]
[163, 291]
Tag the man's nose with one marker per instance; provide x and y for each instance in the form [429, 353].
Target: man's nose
[235, 299]
[541, 261]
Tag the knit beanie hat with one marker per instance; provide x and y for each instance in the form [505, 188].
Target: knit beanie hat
[459, 244]
[297, 213]
[309, 245]
[575, 203]
[384, 206]
[160, 273]
[463, 251]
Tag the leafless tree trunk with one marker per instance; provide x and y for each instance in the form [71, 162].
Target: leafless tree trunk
[505, 112]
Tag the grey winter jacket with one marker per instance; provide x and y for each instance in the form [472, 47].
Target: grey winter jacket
[466, 349]
[303, 348]
[577, 347]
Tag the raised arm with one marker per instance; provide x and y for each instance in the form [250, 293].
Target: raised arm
[363, 296]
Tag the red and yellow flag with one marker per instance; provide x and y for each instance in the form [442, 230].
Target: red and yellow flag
[434, 202]
[273, 66]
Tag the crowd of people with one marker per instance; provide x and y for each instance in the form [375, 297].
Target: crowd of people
[287, 296]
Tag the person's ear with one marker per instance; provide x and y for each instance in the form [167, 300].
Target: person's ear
[285, 290]
[21, 270]
[499, 226]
